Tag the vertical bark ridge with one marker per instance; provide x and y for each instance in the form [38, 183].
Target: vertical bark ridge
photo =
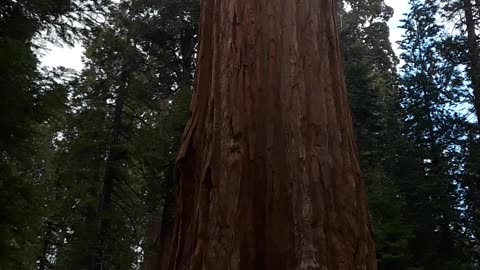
[268, 169]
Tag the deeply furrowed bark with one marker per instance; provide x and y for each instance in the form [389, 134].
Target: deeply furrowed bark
[268, 169]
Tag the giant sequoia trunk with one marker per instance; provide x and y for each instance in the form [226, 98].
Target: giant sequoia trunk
[268, 169]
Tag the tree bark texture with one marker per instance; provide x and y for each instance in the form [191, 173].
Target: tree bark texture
[268, 168]
[473, 54]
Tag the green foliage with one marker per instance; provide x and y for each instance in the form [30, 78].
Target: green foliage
[409, 139]
[430, 92]
[124, 117]
[392, 233]
[371, 83]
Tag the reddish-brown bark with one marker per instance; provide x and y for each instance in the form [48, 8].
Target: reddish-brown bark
[268, 169]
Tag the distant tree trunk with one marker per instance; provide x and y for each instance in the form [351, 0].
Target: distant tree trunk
[473, 53]
[160, 226]
[49, 241]
[153, 228]
[115, 155]
[268, 169]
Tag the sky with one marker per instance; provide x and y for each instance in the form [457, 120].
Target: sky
[71, 57]
[400, 7]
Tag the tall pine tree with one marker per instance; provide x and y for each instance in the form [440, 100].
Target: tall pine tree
[431, 86]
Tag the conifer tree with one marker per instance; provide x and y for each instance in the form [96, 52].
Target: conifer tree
[125, 114]
[430, 87]
[372, 87]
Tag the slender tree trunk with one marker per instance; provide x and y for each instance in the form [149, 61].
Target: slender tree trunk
[160, 226]
[473, 54]
[154, 225]
[268, 169]
[115, 155]
[49, 240]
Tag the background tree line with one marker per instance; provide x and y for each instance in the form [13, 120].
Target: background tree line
[87, 178]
